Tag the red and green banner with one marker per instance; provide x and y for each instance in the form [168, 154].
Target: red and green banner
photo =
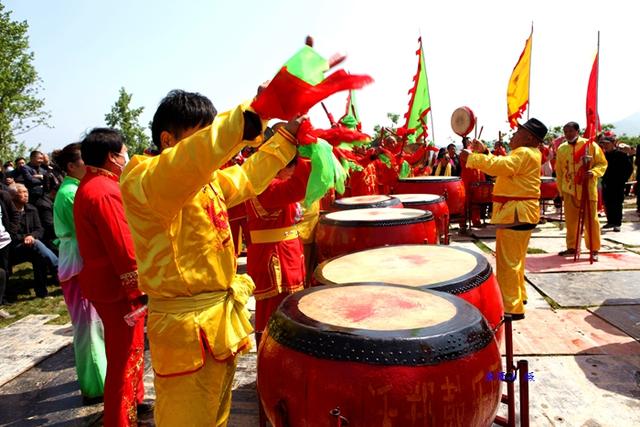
[301, 83]
[420, 102]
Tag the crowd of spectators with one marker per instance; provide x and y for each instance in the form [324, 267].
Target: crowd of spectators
[27, 190]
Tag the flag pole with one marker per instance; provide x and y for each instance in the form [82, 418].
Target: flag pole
[433, 129]
[529, 82]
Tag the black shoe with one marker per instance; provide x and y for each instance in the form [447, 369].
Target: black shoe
[90, 401]
[144, 408]
[607, 225]
[594, 255]
[616, 229]
[567, 252]
[515, 316]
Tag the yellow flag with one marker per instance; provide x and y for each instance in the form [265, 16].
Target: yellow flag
[518, 90]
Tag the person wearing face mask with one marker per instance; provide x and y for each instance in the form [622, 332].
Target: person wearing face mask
[109, 275]
[573, 160]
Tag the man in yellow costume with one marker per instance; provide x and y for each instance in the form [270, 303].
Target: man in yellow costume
[575, 158]
[516, 206]
[176, 203]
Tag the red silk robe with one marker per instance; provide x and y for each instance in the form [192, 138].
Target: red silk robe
[275, 259]
[109, 279]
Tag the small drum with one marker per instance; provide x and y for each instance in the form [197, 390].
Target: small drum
[457, 271]
[365, 202]
[463, 121]
[430, 202]
[376, 355]
[481, 193]
[347, 231]
[548, 188]
[450, 187]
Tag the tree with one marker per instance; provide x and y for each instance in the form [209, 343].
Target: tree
[393, 118]
[21, 109]
[125, 119]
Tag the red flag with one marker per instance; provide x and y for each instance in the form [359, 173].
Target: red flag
[593, 120]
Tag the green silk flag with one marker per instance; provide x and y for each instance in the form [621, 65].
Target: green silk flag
[420, 102]
[351, 118]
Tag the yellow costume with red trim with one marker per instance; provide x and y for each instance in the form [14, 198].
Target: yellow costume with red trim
[275, 259]
[516, 204]
[176, 205]
[570, 189]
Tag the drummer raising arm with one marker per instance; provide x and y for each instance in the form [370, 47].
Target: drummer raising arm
[516, 207]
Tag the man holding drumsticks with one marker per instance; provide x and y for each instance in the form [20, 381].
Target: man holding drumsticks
[516, 206]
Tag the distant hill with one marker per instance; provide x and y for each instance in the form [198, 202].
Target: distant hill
[629, 125]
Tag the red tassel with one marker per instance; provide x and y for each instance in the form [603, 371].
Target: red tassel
[340, 134]
[288, 96]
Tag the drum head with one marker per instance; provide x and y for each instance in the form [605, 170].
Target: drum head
[463, 121]
[372, 201]
[413, 179]
[418, 199]
[442, 268]
[379, 324]
[376, 217]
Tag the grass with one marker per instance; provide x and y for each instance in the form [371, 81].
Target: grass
[27, 303]
[535, 251]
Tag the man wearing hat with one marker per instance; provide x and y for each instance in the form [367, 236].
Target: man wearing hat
[516, 206]
[618, 171]
[578, 160]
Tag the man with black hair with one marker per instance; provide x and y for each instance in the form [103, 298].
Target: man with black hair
[516, 206]
[109, 276]
[176, 203]
[577, 160]
[619, 168]
[34, 175]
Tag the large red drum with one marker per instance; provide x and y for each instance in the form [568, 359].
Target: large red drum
[430, 202]
[365, 202]
[347, 231]
[450, 187]
[457, 271]
[548, 188]
[372, 355]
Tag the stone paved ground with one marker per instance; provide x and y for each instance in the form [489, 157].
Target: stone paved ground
[585, 358]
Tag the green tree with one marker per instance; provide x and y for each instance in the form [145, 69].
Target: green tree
[21, 109]
[125, 119]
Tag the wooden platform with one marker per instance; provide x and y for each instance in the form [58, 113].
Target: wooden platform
[27, 342]
[553, 263]
[583, 391]
[567, 332]
[625, 317]
[589, 289]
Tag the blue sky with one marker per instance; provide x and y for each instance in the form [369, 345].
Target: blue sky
[86, 50]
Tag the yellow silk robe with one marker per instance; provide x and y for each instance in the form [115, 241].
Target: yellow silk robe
[176, 204]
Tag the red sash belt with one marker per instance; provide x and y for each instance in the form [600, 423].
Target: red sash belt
[505, 199]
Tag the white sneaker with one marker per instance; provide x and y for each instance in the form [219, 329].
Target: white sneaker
[4, 314]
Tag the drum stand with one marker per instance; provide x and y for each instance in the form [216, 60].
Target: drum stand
[510, 378]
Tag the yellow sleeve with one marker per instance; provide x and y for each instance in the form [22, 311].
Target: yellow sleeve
[240, 183]
[600, 163]
[495, 165]
[165, 182]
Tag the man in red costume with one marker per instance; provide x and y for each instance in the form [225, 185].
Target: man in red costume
[109, 277]
[275, 258]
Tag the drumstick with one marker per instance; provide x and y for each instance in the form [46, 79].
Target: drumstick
[480, 134]
[475, 131]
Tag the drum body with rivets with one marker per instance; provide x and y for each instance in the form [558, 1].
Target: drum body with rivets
[342, 232]
[433, 203]
[377, 356]
[450, 187]
[366, 202]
